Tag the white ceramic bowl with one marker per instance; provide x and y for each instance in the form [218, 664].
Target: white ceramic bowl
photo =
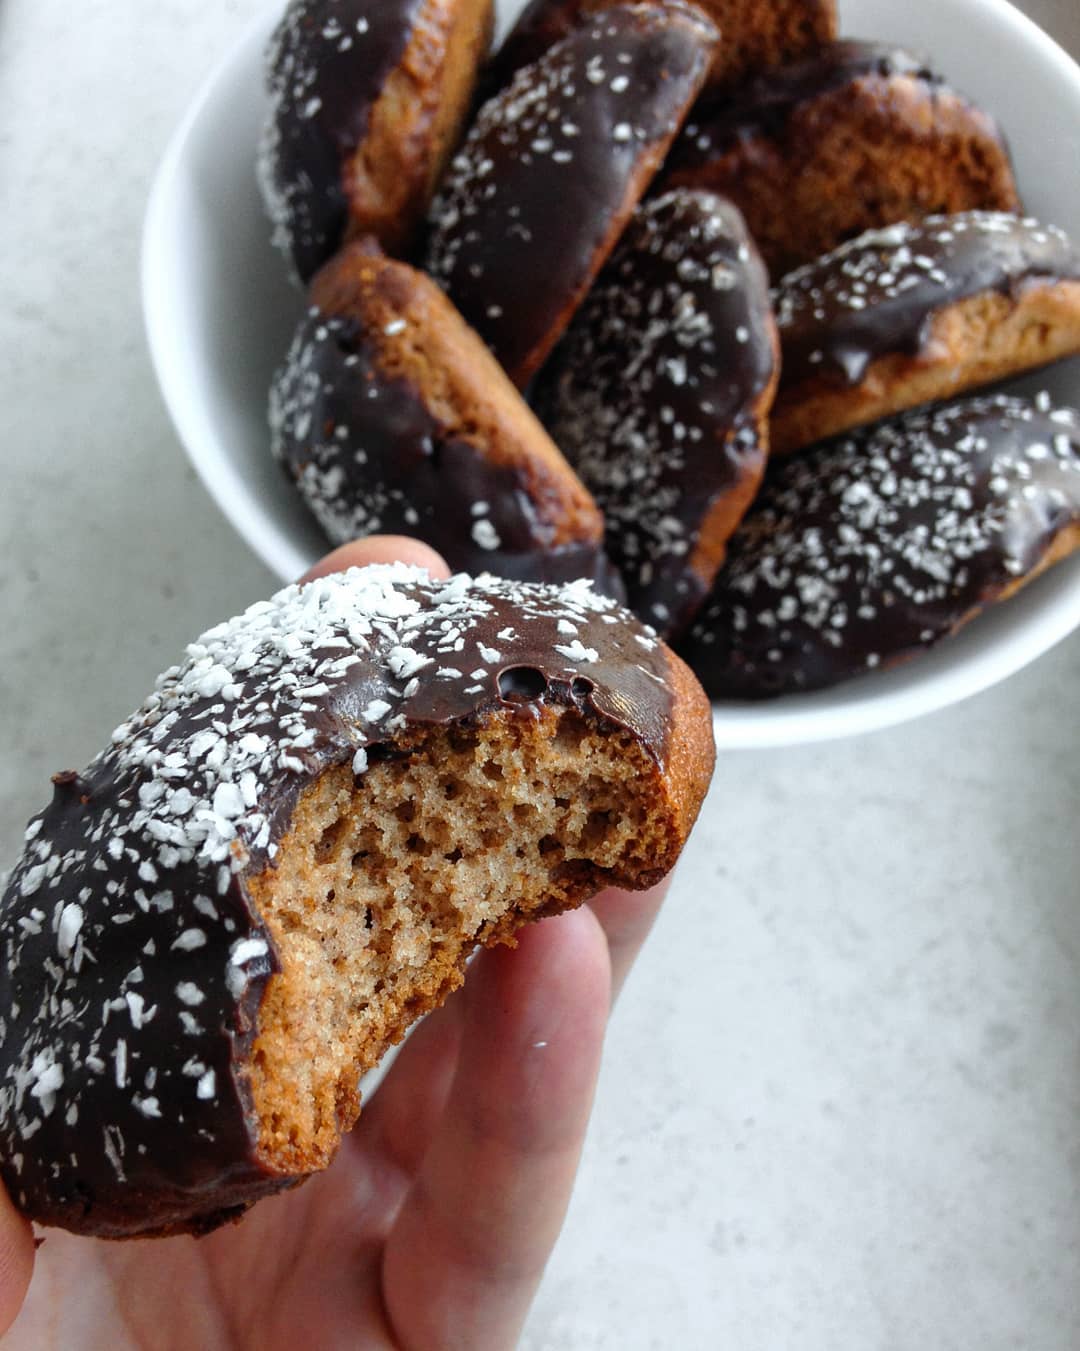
[220, 312]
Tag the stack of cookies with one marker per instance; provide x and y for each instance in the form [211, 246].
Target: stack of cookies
[646, 295]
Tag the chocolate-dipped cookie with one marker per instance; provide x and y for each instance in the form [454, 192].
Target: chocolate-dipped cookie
[754, 37]
[867, 550]
[552, 169]
[368, 101]
[285, 856]
[392, 417]
[916, 313]
[660, 393]
[856, 137]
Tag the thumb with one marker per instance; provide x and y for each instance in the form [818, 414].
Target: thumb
[362, 553]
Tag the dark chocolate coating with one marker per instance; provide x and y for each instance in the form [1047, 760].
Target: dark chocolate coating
[134, 961]
[534, 201]
[656, 394]
[369, 457]
[327, 64]
[878, 294]
[539, 26]
[763, 105]
[865, 551]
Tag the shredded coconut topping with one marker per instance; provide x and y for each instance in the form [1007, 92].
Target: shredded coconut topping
[878, 544]
[875, 294]
[548, 170]
[653, 399]
[326, 62]
[132, 958]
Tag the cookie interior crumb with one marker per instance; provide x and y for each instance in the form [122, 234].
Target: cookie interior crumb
[386, 882]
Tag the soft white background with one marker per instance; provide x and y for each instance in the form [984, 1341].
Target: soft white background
[840, 1108]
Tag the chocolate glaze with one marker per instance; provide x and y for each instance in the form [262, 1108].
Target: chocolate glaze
[552, 168]
[879, 294]
[539, 26]
[327, 64]
[134, 962]
[867, 550]
[658, 394]
[763, 105]
[369, 456]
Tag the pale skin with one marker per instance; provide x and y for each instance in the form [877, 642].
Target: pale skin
[431, 1229]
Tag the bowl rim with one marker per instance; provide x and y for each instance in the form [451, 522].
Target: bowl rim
[200, 441]
[867, 703]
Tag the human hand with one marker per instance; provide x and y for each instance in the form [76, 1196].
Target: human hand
[431, 1229]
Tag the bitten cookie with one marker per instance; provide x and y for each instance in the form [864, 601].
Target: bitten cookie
[851, 139]
[552, 170]
[392, 416]
[368, 102]
[660, 395]
[865, 551]
[285, 856]
[754, 37]
[916, 313]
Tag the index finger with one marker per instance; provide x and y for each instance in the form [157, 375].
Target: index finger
[469, 1245]
[626, 918]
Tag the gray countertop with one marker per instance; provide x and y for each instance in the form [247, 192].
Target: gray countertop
[840, 1108]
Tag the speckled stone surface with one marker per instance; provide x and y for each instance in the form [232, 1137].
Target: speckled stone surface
[858, 1127]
